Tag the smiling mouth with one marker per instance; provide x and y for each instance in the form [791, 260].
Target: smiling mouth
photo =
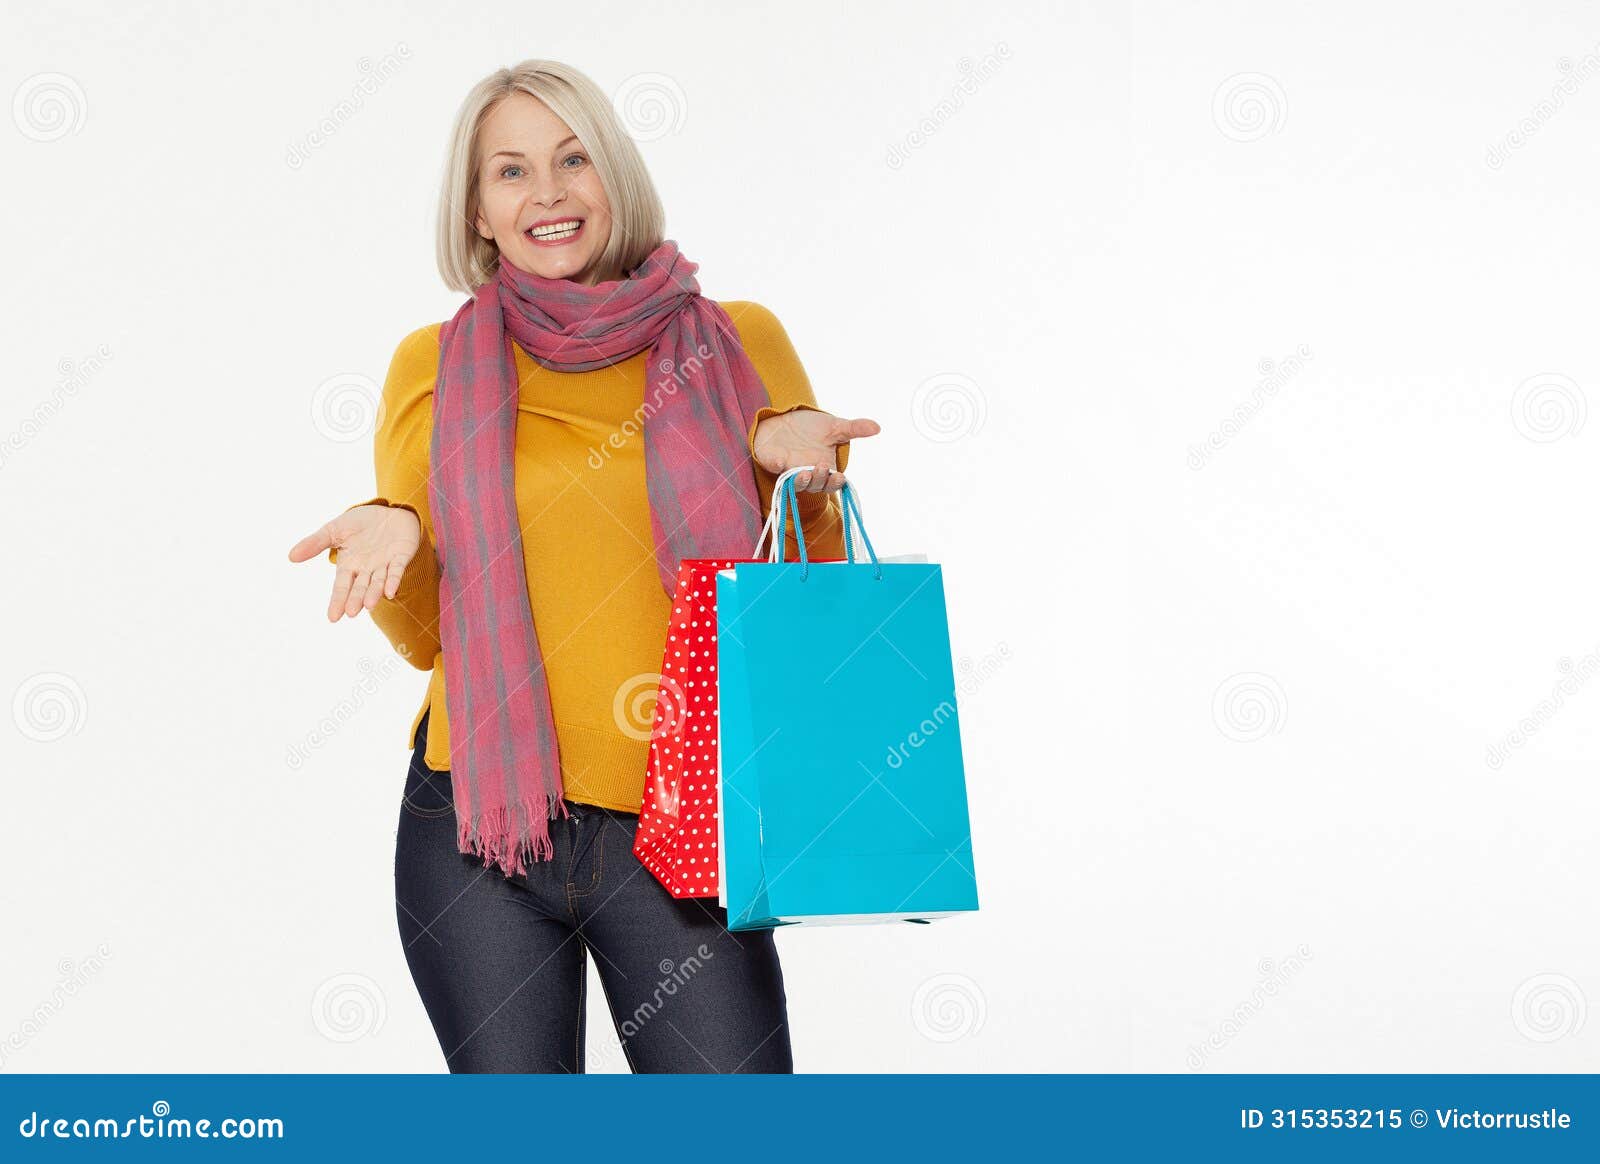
[555, 233]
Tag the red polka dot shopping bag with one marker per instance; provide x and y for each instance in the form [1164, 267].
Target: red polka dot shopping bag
[677, 833]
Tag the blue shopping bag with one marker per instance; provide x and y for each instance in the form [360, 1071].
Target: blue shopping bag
[842, 794]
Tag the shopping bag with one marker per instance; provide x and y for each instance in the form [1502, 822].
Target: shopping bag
[676, 838]
[842, 792]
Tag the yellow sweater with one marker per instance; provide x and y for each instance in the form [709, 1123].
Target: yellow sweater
[598, 606]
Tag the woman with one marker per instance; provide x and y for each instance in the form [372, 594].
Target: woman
[544, 460]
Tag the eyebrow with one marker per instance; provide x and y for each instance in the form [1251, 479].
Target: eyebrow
[519, 154]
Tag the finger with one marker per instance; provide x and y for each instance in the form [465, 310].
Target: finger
[397, 568]
[358, 592]
[312, 544]
[817, 479]
[376, 589]
[341, 592]
[860, 427]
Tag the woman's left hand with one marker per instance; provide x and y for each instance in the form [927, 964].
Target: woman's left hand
[808, 438]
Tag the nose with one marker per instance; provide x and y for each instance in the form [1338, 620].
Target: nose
[549, 189]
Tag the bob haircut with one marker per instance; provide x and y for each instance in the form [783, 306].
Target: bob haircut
[467, 260]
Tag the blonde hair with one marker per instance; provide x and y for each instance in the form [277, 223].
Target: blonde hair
[467, 260]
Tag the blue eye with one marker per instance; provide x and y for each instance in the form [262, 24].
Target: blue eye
[504, 170]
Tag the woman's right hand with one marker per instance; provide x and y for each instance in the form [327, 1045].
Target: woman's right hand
[372, 545]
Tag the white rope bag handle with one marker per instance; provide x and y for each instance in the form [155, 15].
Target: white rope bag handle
[774, 552]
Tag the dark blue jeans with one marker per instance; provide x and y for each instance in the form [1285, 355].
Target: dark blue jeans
[501, 963]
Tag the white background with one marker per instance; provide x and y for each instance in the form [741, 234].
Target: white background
[1232, 802]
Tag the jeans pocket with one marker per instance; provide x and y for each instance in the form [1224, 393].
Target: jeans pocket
[428, 793]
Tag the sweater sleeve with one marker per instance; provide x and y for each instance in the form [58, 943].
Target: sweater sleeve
[788, 388]
[410, 620]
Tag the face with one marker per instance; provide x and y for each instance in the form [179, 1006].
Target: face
[536, 183]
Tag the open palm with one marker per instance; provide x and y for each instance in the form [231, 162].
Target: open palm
[372, 545]
[808, 438]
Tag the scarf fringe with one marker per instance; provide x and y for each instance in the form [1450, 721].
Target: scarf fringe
[490, 836]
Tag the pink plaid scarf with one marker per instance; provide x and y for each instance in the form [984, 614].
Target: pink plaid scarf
[702, 398]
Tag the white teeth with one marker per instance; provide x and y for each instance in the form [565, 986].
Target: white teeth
[562, 230]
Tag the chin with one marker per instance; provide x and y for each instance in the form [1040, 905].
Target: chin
[569, 269]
